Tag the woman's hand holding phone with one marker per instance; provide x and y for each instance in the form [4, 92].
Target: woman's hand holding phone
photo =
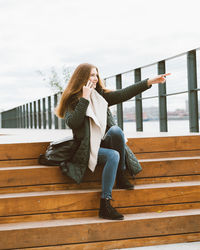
[87, 89]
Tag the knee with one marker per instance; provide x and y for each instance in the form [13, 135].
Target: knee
[114, 157]
[116, 131]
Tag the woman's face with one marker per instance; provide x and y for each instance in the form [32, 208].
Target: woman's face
[93, 77]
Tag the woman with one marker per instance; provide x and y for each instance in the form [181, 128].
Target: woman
[97, 140]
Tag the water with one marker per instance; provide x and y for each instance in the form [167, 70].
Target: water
[174, 126]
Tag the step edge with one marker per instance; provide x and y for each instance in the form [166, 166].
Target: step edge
[66, 192]
[93, 220]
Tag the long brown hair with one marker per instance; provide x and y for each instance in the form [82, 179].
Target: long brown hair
[73, 91]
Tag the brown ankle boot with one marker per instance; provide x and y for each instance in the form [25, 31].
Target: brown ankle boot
[106, 211]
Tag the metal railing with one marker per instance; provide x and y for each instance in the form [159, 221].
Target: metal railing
[191, 70]
[40, 113]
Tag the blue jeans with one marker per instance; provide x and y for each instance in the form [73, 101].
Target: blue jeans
[112, 155]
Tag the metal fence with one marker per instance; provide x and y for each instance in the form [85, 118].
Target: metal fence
[182, 83]
[38, 114]
[184, 67]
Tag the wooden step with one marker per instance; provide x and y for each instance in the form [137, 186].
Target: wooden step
[128, 243]
[95, 184]
[94, 212]
[22, 150]
[18, 162]
[181, 169]
[54, 187]
[167, 154]
[82, 200]
[138, 146]
[153, 155]
[95, 230]
[169, 143]
[170, 166]
[42, 209]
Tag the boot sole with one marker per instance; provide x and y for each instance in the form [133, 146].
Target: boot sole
[108, 218]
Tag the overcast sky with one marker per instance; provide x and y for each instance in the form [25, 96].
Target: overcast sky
[115, 35]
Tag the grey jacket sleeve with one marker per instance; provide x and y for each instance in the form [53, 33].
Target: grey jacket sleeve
[74, 119]
[122, 95]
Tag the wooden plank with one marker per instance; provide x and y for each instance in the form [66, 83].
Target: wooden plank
[154, 155]
[170, 167]
[38, 175]
[94, 184]
[33, 161]
[130, 243]
[34, 175]
[159, 144]
[20, 162]
[185, 178]
[157, 194]
[22, 150]
[94, 212]
[51, 187]
[93, 230]
[138, 145]
[73, 200]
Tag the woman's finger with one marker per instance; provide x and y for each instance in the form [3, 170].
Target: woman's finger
[167, 74]
[88, 84]
[91, 84]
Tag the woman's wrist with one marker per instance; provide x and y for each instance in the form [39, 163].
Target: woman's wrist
[149, 82]
[86, 97]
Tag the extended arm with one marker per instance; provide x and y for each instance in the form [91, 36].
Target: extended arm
[122, 95]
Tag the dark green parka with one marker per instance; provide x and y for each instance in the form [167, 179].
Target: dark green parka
[79, 123]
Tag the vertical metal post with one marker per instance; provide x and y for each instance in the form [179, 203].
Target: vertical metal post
[49, 112]
[21, 117]
[162, 99]
[138, 103]
[27, 116]
[9, 119]
[31, 115]
[14, 115]
[120, 105]
[63, 126]
[34, 114]
[55, 117]
[18, 122]
[6, 120]
[16, 118]
[192, 94]
[44, 113]
[39, 115]
[7, 116]
[24, 117]
[1, 125]
[2, 120]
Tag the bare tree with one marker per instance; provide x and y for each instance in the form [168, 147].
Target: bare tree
[57, 81]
